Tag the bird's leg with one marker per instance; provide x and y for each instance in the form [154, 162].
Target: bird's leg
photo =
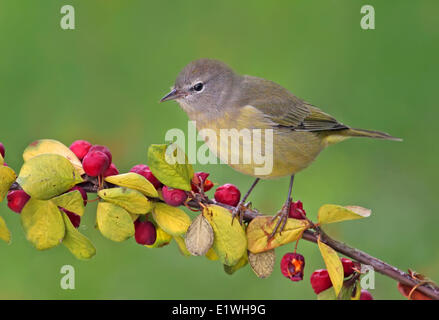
[283, 214]
[238, 209]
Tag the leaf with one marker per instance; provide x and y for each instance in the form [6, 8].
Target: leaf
[134, 181]
[78, 244]
[262, 263]
[47, 175]
[7, 178]
[230, 242]
[42, 223]
[327, 294]
[333, 265]
[260, 228]
[114, 222]
[199, 236]
[175, 175]
[211, 255]
[162, 239]
[131, 200]
[182, 246]
[45, 146]
[171, 219]
[2, 161]
[5, 234]
[330, 213]
[240, 264]
[71, 201]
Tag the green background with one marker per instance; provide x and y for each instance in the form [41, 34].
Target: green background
[102, 82]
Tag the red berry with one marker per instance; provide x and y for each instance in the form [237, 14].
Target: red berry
[292, 266]
[2, 150]
[365, 295]
[320, 280]
[74, 218]
[83, 193]
[348, 266]
[95, 163]
[228, 194]
[144, 170]
[145, 232]
[17, 199]
[174, 197]
[196, 182]
[111, 171]
[296, 210]
[80, 148]
[103, 149]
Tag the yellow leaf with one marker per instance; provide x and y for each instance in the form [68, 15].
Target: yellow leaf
[162, 239]
[5, 234]
[240, 264]
[211, 255]
[42, 223]
[260, 228]
[134, 216]
[71, 201]
[7, 178]
[330, 213]
[230, 242]
[55, 147]
[2, 161]
[333, 265]
[47, 175]
[114, 222]
[171, 219]
[182, 246]
[77, 243]
[131, 200]
[134, 181]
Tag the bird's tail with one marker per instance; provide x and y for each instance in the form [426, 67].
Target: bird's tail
[337, 136]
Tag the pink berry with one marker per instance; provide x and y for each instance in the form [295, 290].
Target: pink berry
[83, 193]
[365, 295]
[17, 199]
[2, 150]
[74, 218]
[174, 197]
[80, 148]
[228, 194]
[320, 281]
[292, 266]
[144, 170]
[145, 232]
[296, 210]
[111, 171]
[95, 163]
[103, 149]
[348, 266]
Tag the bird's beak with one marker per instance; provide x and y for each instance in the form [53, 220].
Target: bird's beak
[174, 94]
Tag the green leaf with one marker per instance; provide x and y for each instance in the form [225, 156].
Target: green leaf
[45, 146]
[327, 294]
[162, 238]
[260, 228]
[78, 244]
[42, 223]
[240, 264]
[134, 181]
[7, 178]
[5, 234]
[172, 220]
[333, 265]
[71, 201]
[230, 242]
[171, 171]
[47, 175]
[114, 222]
[131, 200]
[330, 213]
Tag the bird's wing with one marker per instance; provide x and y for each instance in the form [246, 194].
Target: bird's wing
[283, 108]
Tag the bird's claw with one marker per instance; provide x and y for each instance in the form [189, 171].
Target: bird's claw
[239, 211]
[280, 224]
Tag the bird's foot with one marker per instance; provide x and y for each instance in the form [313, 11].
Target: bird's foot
[239, 210]
[282, 217]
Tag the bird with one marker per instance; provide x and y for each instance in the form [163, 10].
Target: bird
[216, 97]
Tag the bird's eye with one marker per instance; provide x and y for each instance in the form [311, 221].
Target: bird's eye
[198, 87]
